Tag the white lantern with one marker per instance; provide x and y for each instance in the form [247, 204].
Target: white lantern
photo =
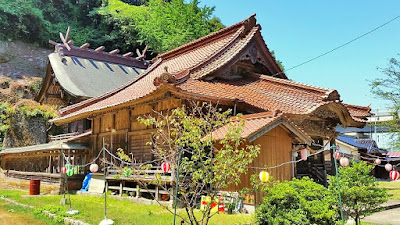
[388, 167]
[94, 168]
[344, 161]
[377, 161]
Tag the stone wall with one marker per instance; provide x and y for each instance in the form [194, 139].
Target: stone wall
[25, 131]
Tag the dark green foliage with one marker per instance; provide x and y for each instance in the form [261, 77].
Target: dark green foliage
[163, 25]
[38, 21]
[388, 87]
[359, 191]
[297, 202]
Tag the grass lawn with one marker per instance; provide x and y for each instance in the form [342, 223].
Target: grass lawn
[393, 188]
[91, 210]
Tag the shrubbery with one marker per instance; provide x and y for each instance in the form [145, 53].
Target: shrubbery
[297, 202]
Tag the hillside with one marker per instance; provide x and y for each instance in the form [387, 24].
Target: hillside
[19, 59]
[22, 67]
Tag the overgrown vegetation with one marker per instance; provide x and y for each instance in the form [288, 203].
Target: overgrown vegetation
[38, 21]
[29, 108]
[19, 115]
[113, 23]
[163, 25]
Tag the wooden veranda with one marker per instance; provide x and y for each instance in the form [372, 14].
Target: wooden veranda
[45, 161]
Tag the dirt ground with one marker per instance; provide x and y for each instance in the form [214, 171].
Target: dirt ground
[14, 218]
[7, 183]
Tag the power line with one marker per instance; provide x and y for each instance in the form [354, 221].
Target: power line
[340, 46]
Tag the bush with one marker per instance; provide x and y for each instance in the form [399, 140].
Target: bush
[297, 202]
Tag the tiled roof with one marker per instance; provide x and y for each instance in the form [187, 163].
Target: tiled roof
[191, 65]
[189, 57]
[256, 123]
[144, 85]
[358, 112]
[263, 92]
[224, 57]
[393, 154]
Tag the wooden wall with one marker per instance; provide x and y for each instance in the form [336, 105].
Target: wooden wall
[276, 147]
[121, 129]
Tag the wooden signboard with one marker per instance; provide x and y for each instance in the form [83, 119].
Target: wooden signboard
[97, 184]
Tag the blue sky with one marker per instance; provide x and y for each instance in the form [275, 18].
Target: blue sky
[300, 30]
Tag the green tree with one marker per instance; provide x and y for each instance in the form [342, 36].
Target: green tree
[297, 202]
[387, 87]
[360, 195]
[163, 25]
[204, 169]
[38, 21]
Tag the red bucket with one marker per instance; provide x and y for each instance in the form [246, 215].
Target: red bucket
[34, 187]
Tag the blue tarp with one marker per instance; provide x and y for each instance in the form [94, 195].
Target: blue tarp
[86, 182]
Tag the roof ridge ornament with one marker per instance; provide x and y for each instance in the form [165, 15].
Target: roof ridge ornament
[165, 77]
[140, 56]
[65, 40]
[84, 51]
[249, 23]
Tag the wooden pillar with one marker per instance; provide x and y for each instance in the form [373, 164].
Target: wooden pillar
[121, 187]
[137, 191]
[59, 162]
[157, 193]
[50, 165]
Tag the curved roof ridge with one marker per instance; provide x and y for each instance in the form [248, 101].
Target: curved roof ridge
[357, 106]
[281, 73]
[77, 106]
[206, 39]
[221, 51]
[218, 55]
[326, 91]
